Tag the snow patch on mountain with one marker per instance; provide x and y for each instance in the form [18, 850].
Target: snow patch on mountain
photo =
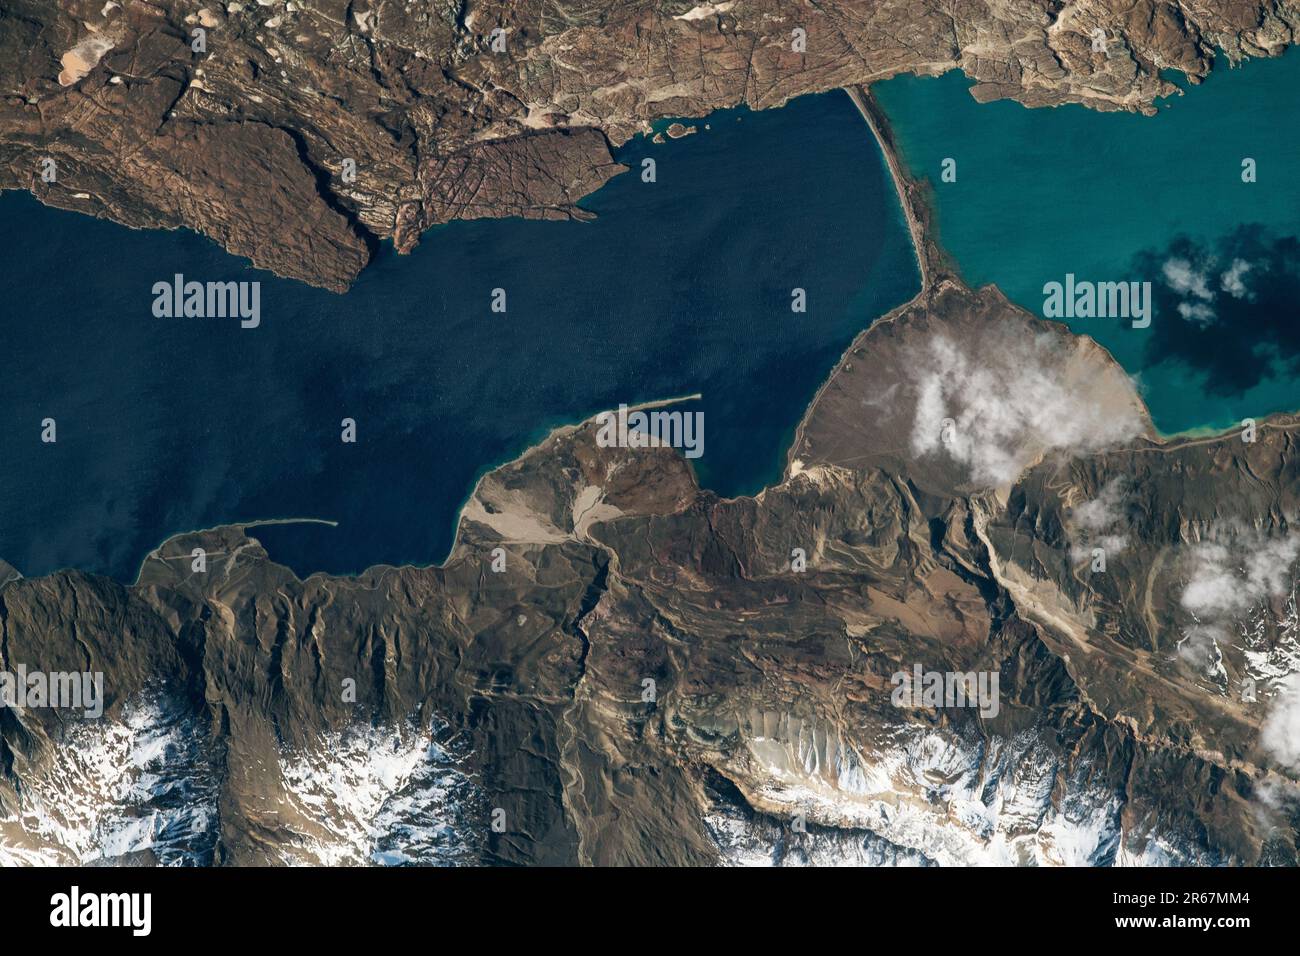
[379, 796]
[142, 788]
[932, 795]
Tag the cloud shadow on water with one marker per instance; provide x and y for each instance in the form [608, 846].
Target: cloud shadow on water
[1229, 309]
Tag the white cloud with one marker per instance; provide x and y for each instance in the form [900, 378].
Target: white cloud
[1103, 511]
[1197, 312]
[1007, 398]
[1114, 543]
[1228, 580]
[1183, 278]
[1190, 281]
[1101, 522]
[1280, 735]
[1233, 280]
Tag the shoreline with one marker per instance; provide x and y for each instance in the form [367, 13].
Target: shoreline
[242, 525]
[931, 272]
[382, 567]
[934, 272]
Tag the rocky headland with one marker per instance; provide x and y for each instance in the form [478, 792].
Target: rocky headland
[300, 134]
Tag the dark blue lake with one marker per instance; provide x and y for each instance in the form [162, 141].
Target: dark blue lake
[679, 286]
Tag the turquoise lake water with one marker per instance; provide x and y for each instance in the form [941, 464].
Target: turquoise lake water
[1114, 197]
[679, 286]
